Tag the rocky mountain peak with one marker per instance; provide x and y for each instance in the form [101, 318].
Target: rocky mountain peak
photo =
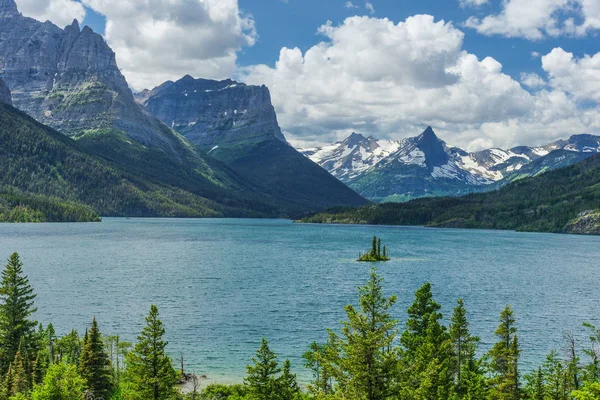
[354, 139]
[73, 28]
[8, 8]
[5, 96]
[433, 147]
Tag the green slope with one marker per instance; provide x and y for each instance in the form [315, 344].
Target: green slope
[551, 202]
[41, 165]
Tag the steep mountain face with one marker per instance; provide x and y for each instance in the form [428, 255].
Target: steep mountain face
[38, 161]
[236, 123]
[5, 95]
[69, 79]
[214, 113]
[425, 166]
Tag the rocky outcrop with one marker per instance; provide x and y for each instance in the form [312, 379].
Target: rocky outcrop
[69, 79]
[586, 223]
[214, 113]
[5, 96]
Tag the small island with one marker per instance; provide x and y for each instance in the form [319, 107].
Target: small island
[376, 254]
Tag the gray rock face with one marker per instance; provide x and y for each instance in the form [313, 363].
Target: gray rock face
[214, 113]
[5, 96]
[69, 79]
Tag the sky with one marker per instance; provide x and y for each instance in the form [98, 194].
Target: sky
[483, 73]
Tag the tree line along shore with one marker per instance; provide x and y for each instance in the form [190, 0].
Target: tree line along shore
[369, 358]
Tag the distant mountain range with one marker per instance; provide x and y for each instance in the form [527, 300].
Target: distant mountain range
[68, 79]
[565, 200]
[425, 166]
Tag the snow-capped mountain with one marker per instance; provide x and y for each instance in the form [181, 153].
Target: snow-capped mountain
[422, 166]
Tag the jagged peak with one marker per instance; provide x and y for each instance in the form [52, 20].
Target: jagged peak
[354, 139]
[8, 8]
[429, 134]
[74, 27]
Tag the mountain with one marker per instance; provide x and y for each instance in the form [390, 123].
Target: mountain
[44, 170]
[69, 80]
[236, 123]
[5, 95]
[561, 200]
[425, 166]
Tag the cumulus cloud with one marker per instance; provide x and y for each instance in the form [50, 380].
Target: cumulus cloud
[60, 12]
[473, 3]
[370, 7]
[350, 5]
[532, 80]
[391, 79]
[158, 40]
[579, 77]
[536, 19]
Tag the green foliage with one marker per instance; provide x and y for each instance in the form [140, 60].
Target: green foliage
[60, 383]
[504, 359]
[426, 362]
[150, 373]
[362, 360]
[94, 365]
[16, 308]
[375, 253]
[261, 379]
[545, 203]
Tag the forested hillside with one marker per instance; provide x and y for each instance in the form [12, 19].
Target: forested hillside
[550, 202]
[43, 169]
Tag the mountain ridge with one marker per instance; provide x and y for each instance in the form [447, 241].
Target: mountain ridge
[425, 166]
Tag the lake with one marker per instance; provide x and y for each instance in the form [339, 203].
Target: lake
[221, 285]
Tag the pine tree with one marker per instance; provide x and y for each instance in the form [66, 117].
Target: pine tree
[504, 359]
[467, 373]
[384, 252]
[16, 308]
[40, 366]
[427, 356]
[261, 377]
[94, 365]
[321, 384]
[288, 386]
[361, 360]
[21, 378]
[374, 247]
[150, 371]
[378, 248]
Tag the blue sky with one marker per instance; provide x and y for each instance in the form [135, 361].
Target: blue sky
[295, 23]
[483, 73]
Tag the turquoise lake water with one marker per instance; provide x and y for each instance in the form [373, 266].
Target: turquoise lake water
[221, 285]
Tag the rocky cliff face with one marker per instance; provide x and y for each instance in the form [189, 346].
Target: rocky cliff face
[5, 96]
[69, 79]
[586, 223]
[214, 113]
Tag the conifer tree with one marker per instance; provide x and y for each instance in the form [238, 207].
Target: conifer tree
[374, 247]
[361, 360]
[21, 378]
[378, 248]
[16, 308]
[467, 372]
[288, 386]
[321, 384]
[261, 377]
[150, 371]
[94, 365]
[427, 357]
[504, 359]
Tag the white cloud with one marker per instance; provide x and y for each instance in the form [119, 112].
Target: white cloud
[158, 40]
[536, 19]
[370, 7]
[350, 5]
[532, 80]
[580, 77]
[60, 12]
[374, 76]
[473, 3]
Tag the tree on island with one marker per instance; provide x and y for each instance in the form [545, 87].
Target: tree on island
[375, 253]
